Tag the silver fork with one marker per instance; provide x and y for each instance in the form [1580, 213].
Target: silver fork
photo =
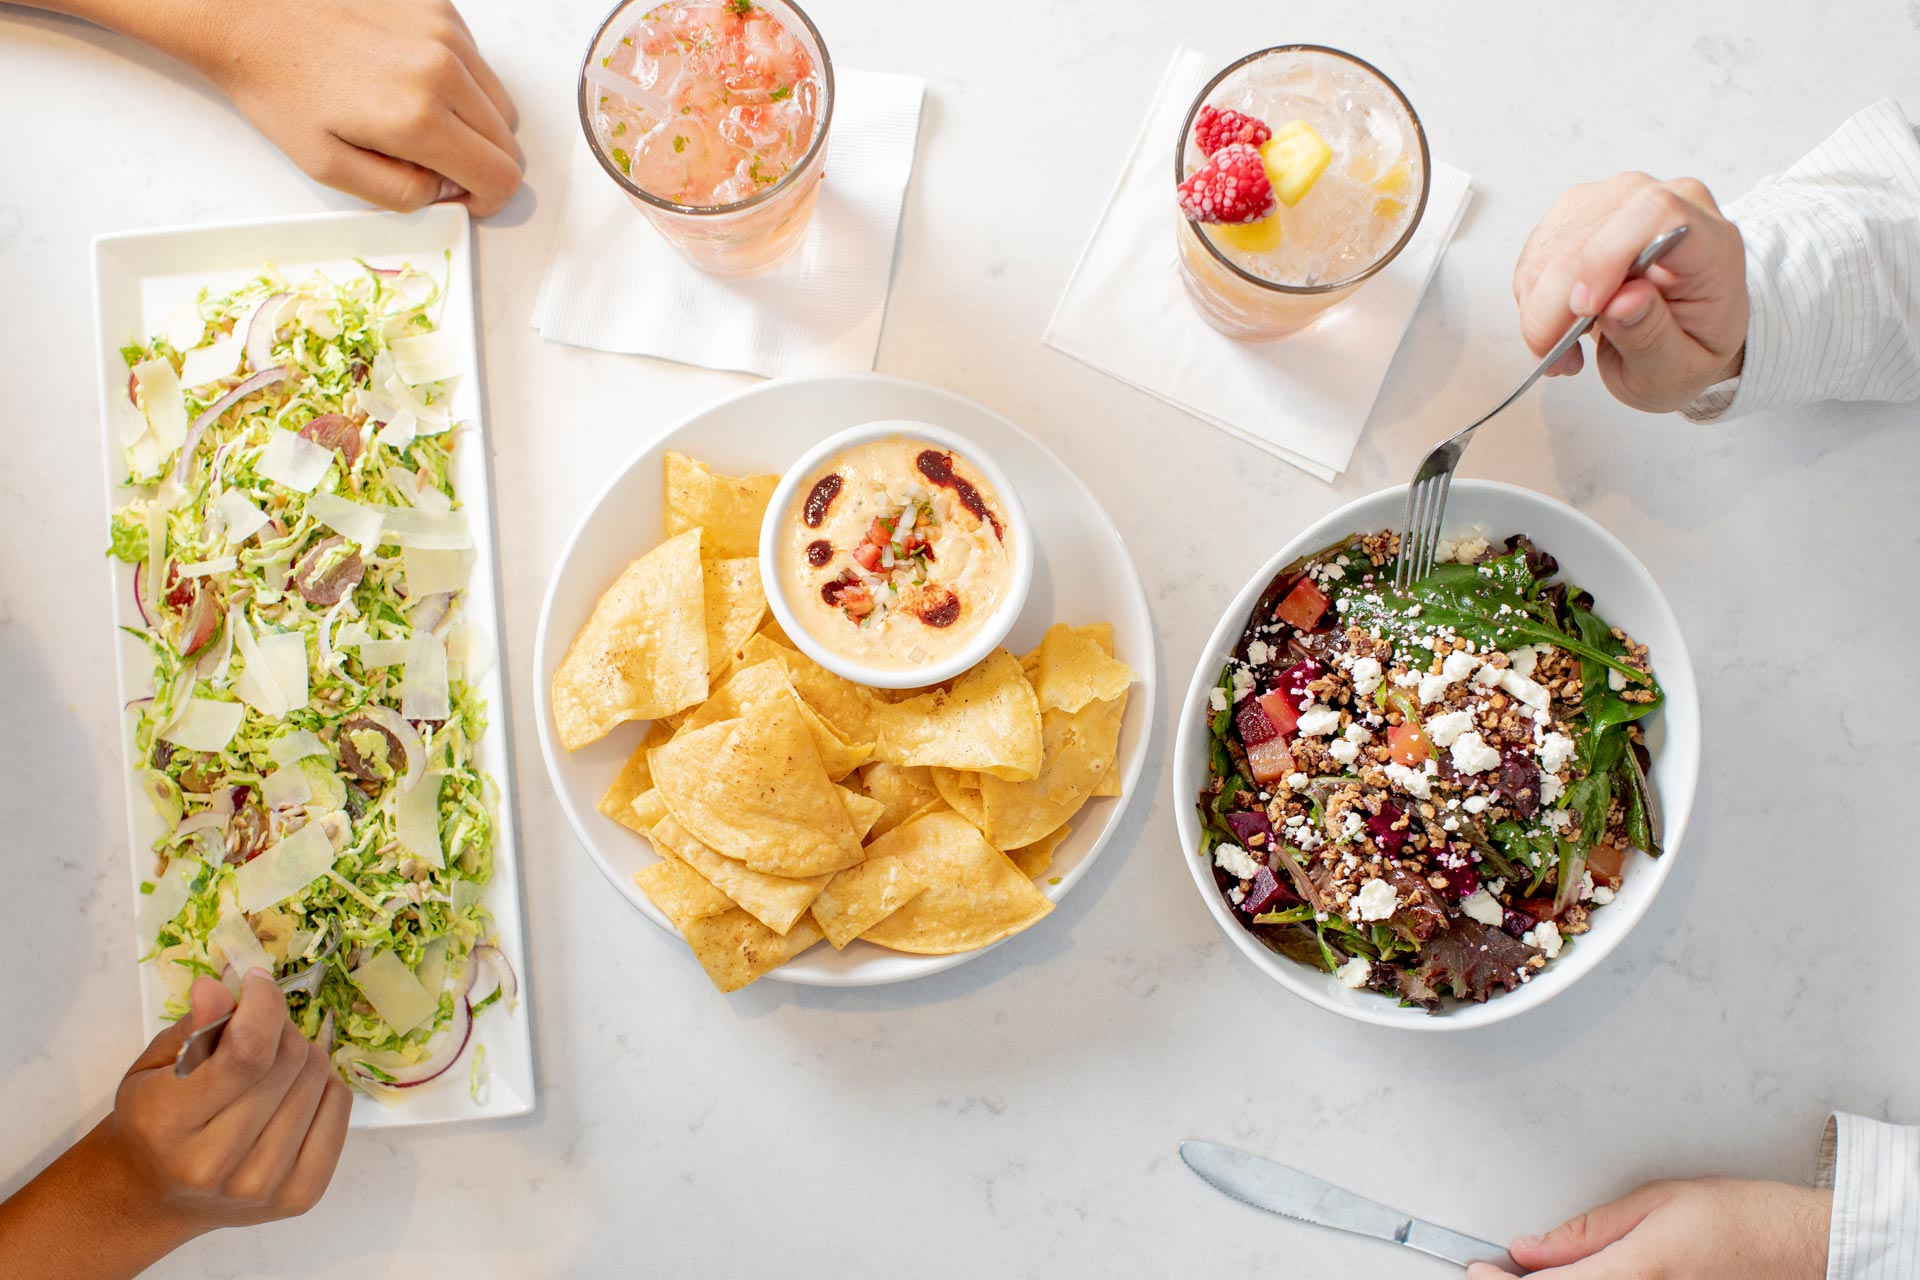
[1427, 495]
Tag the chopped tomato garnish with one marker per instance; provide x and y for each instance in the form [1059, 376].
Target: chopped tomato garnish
[1408, 744]
[867, 554]
[856, 600]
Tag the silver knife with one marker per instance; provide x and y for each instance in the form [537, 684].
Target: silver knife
[1268, 1185]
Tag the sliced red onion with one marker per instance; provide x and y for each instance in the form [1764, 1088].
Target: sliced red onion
[262, 328]
[324, 1036]
[504, 977]
[432, 1067]
[265, 378]
[140, 592]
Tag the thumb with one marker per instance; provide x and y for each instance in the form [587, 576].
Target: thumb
[1645, 358]
[1588, 1233]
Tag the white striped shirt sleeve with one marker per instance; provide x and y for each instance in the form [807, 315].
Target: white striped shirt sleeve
[1833, 272]
[1874, 1172]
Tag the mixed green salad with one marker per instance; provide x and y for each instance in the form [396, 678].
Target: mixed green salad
[300, 567]
[1427, 792]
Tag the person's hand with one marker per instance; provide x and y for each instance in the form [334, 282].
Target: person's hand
[252, 1135]
[1659, 341]
[388, 100]
[1707, 1229]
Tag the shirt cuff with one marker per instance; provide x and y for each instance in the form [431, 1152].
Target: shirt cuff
[1873, 1170]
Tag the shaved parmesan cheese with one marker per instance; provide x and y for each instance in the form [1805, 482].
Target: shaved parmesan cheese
[416, 820]
[318, 318]
[297, 745]
[426, 357]
[203, 568]
[143, 456]
[286, 657]
[284, 869]
[204, 725]
[214, 361]
[470, 647]
[161, 399]
[432, 573]
[426, 496]
[233, 516]
[238, 945]
[286, 788]
[256, 686]
[423, 690]
[398, 433]
[184, 327]
[170, 893]
[351, 520]
[426, 530]
[395, 994]
[383, 653]
[296, 463]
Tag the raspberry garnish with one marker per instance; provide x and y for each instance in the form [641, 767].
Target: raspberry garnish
[1231, 187]
[1214, 129]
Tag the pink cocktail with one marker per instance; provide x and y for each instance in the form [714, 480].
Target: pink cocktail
[712, 115]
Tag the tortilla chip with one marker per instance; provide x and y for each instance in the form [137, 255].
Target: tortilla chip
[960, 788]
[647, 809]
[974, 895]
[900, 789]
[1101, 633]
[775, 901]
[863, 810]
[1110, 784]
[728, 508]
[754, 789]
[1034, 859]
[989, 720]
[1072, 670]
[643, 653]
[1079, 752]
[750, 688]
[735, 605]
[850, 709]
[681, 893]
[772, 629]
[860, 897]
[737, 950]
[634, 778]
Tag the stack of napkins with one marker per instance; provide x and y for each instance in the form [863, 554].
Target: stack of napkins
[613, 284]
[1303, 398]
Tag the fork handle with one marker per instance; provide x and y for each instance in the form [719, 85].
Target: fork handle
[1657, 248]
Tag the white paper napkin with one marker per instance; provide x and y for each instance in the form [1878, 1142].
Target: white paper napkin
[1303, 398]
[614, 285]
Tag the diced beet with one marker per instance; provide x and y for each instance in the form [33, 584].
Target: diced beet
[1516, 922]
[1380, 827]
[1520, 780]
[1251, 720]
[1270, 761]
[1304, 606]
[1252, 830]
[1266, 893]
[1456, 867]
[1282, 712]
[1295, 679]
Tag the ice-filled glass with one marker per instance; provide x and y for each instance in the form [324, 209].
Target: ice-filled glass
[1346, 159]
[712, 116]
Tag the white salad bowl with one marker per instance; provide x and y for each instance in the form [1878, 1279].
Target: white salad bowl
[789, 494]
[1625, 594]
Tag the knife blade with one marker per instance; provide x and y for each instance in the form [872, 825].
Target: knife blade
[1267, 1184]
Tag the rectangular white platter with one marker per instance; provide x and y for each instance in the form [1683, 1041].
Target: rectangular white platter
[139, 278]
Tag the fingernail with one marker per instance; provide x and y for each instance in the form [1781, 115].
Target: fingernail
[1578, 301]
[1525, 1242]
[258, 972]
[449, 190]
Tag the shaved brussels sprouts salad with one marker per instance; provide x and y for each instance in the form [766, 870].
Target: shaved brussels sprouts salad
[300, 566]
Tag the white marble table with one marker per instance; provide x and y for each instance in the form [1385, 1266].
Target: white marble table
[1018, 1116]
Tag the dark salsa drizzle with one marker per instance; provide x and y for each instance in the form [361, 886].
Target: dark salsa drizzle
[938, 467]
[820, 499]
[1312, 832]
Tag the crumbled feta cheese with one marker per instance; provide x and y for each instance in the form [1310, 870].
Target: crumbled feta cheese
[1366, 675]
[1451, 824]
[1477, 804]
[1358, 734]
[1318, 721]
[1309, 839]
[1602, 894]
[1527, 691]
[1352, 824]
[1458, 665]
[1295, 819]
[1616, 680]
[1445, 729]
[1236, 862]
[1344, 751]
[1217, 699]
[1258, 652]
[1586, 886]
[1407, 679]
[1480, 905]
[1298, 781]
[1524, 659]
[1356, 971]
[1471, 754]
[1242, 683]
[1545, 936]
[1558, 819]
[1412, 781]
[1551, 788]
[1487, 677]
[1470, 548]
[1375, 901]
[1555, 750]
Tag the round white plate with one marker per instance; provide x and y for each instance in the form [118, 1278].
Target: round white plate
[1082, 574]
[1624, 593]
